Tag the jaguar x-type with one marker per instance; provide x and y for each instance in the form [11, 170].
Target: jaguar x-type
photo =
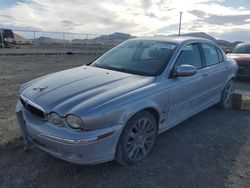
[115, 107]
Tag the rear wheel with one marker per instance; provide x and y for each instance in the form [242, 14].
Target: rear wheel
[137, 139]
[227, 94]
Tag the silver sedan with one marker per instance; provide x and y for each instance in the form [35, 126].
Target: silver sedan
[115, 107]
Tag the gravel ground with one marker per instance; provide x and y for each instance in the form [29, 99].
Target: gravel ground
[211, 149]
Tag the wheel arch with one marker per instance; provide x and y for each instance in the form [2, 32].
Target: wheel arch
[230, 77]
[153, 111]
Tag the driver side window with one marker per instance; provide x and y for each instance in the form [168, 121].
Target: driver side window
[190, 55]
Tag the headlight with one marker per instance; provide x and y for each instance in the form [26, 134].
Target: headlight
[74, 121]
[55, 118]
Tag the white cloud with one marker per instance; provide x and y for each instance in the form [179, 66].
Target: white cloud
[138, 17]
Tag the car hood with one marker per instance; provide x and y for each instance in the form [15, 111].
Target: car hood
[241, 59]
[81, 88]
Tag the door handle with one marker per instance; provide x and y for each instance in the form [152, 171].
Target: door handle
[205, 74]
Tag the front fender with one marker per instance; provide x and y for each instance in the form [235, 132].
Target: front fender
[138, 106]
[121, 109]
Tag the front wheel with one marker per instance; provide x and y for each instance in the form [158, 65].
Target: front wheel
[227, 94]
[137, 139]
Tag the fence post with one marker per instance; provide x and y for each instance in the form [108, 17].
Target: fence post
[34, 35]
[63, 41]
[63, 36]
[87, 44]
[2, 39]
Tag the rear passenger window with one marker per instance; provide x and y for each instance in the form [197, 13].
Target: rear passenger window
[190, 55]
[220, 54]
[211, 55]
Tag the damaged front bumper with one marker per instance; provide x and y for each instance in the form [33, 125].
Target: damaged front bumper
[82, 147]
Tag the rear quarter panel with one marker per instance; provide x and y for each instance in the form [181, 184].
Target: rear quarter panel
[231, 67]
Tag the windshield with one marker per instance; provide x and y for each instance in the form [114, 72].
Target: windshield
[242, 49]
[137, 57]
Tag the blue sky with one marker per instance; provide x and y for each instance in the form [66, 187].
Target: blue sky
[7, 3]
[236, 3]
[224, 19]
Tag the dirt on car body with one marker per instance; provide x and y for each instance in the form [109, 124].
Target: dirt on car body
[211, 149]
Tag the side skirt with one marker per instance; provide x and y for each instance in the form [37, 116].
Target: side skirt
[170, 125]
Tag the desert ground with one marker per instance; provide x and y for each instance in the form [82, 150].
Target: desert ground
[211, 149]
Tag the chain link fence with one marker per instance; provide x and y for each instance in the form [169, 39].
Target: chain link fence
[44, 42]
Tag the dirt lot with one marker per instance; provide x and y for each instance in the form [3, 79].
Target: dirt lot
[211, 149]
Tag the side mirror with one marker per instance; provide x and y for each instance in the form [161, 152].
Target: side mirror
[184, 70]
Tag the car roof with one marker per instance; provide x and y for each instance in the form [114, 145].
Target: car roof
[174, 39]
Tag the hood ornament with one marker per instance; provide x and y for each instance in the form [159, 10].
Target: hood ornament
[40, 88]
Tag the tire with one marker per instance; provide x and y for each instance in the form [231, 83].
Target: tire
[226, 96]
[137, 139]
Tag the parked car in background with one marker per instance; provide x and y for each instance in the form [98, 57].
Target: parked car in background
[116, 107]
[6, 38]
[241, 54]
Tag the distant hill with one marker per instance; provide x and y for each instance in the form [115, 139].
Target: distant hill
[225, 44]
[222, 43]
[116, 38]
[112, 38]
[200, 34]
[21, 40]
[48, 40]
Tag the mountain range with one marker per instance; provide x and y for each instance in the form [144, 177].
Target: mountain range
[222, 43]
[120, 37]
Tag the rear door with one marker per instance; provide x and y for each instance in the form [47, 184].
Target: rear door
[215, 73]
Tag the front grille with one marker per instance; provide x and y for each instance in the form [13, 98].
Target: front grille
[35, 111]
[32, 109]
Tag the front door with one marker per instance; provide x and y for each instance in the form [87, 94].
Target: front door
[186, 94]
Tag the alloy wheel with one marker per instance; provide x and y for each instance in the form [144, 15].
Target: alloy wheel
[140, 139]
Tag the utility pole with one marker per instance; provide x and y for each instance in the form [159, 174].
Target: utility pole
[180, 23]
